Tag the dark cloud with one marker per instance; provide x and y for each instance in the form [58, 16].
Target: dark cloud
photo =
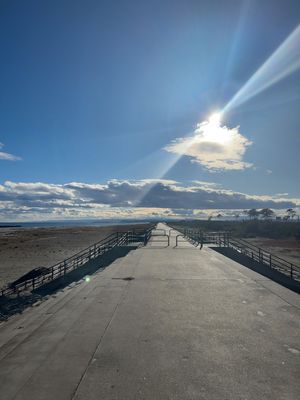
[165, 196]
[22, 198]
[114, 193]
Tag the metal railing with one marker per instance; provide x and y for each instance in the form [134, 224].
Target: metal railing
[79, 259]
[256, 253]
[263, 256]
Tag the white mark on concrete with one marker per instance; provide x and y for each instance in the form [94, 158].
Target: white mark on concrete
[261, 314]
[244, 302]
[293, 351]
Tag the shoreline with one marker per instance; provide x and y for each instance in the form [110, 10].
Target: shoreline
[70, 223]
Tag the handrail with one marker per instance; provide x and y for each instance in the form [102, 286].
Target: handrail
[265, 257]
[76, 260]
[256, 253]
[177, 241]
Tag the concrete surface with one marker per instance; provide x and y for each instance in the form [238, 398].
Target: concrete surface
[191, 325]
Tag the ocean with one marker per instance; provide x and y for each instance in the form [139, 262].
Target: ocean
[70, 223]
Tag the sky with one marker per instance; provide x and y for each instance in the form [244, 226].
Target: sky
[169, 108]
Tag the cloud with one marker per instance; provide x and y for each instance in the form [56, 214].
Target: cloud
[7, 156]
[213, 146]
[281, 194]
[124, 199]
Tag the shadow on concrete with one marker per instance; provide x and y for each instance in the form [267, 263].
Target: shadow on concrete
[262, 269]
[151, 247]
[185, 248]
[10, 306]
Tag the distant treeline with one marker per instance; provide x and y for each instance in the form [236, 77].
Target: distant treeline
[246, 229]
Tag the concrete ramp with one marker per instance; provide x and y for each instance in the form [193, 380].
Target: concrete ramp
[164, 322]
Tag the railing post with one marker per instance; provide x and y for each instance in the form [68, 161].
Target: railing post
[292, 271]
[259, 255]
[65, 267]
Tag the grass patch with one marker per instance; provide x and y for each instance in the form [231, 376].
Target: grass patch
[246, 229]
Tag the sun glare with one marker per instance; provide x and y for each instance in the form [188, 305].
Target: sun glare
[215, 118]
[213, 132]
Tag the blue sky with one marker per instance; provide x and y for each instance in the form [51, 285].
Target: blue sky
[95, 91]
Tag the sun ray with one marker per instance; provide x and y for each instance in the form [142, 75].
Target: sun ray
[284, 61]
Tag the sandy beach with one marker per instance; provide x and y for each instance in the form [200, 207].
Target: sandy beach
[22, 249]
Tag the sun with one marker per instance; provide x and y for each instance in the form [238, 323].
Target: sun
[213, 131]
[215, 118]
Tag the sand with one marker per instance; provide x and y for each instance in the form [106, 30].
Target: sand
[288, 249]
[22, 249]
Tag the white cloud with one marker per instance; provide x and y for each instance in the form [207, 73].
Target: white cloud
[281, 194]
[213, 146]
[7, 156]
[125, 199]
[207, 184]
